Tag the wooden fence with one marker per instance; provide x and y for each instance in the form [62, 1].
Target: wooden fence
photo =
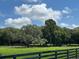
[55, 54]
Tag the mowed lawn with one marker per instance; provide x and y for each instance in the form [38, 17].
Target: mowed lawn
[12, 50]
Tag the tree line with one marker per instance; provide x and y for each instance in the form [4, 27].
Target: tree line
[39, 35]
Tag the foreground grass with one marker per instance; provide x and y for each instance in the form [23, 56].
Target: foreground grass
[11, 50]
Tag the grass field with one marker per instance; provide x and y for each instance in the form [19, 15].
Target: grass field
[12, 50]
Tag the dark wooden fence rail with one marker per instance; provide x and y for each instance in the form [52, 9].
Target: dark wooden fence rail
[55, 54]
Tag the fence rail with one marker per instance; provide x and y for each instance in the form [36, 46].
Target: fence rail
[55, 54]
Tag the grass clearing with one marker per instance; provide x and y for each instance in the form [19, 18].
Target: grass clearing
[11, 50]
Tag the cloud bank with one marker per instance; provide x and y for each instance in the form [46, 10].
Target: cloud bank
[35, 12]
[18, 23]
[69, 26]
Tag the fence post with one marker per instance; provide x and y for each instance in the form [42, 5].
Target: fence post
[14, 57]
[39, 55]
[76, 53]
[55, 54]
[67, 54]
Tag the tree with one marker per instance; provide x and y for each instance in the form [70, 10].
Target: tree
[75, 35]
[35, 32]
[41, 35]
[48, 30]
[54, 34]
[67, 36]
[8, 36]
[62, 36]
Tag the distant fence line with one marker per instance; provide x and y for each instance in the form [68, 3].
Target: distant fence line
[55, 54]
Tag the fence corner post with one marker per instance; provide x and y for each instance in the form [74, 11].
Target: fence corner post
[39, 55]
[67, 54]
[55, 54]
[14, 57]
[76, 53]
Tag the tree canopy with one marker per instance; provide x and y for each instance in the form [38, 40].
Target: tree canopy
[40, 35]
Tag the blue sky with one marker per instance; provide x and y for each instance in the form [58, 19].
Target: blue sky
[16, 13]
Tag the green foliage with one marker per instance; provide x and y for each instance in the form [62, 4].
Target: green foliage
[75, 36]
[54, 34]
[35, 32]
[48, 30]
[39, 35]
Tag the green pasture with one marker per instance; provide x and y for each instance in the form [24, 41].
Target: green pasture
[12, 50]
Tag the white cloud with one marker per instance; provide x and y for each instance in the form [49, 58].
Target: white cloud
[17, 23]
[32, 1]
[64, 25]
[69, 26]
[66, 10]
[34, 12]
[38, 12]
